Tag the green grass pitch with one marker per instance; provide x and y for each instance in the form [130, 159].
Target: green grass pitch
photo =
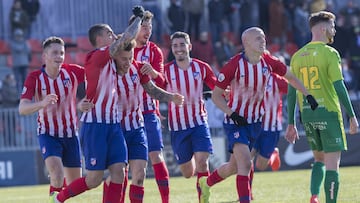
[268, 187]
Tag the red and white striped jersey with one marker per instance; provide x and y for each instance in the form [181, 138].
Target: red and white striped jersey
[60, 119]
[247, 83]
[101, 87]
[152, 54]
[129, 98]
[189, 83]
[276, 88]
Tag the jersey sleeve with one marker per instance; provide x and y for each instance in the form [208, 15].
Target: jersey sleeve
[79, 72]
[210, 78]
[276, 65]
[227, 73]
[28, 91]
[158, 61]
[334, 71]
[95, 61]
[282, 83]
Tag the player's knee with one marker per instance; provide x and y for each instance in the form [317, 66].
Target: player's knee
[260, 165]
[93, 181]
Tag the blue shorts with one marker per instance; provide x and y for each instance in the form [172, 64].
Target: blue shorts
[266, 143]
[136, 143]
[103, 145]
[153, 132]
[186, 142]
[66, 148]
[245, 134]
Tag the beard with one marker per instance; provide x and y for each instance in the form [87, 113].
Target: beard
[329, 37]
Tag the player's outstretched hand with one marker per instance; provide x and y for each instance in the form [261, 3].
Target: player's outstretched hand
[312, 101]
[238, 120]
[138, 11]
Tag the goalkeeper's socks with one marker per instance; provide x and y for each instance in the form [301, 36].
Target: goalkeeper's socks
[331, 186]
[317, 177]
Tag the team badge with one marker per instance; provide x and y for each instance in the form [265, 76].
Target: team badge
[196, 75]
[265, 70]
[66, 82]
[134, 77]
[145, 59]
[221, 77]
[43, 150]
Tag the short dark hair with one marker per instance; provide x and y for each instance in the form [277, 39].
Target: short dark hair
[319, 17]
[96, 30]
[181, 35]
[52, 40]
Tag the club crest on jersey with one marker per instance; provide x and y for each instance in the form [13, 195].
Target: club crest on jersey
[134, 77]
[145, 59]
[265, 70]
[221, 77]
[196, 75]
[66, 82]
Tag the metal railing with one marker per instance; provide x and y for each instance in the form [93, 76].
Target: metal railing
[16, 131]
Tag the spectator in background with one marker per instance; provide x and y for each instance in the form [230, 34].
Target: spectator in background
[301, 26]
[32, 8]
[317, 5]
[216, 16]
[224, 50]
[9, 91]
[203, 49]
[208, 56]
[277, 22]
[194, 10]
[354, 50]
[228, 14]
[176, 15]
[19, 19]
[350, 10]
[21, 55]
[343, 36]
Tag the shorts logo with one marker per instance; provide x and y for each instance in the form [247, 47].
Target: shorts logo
[43, 150]
[93, 161]
[221, 77]
[236, 135]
